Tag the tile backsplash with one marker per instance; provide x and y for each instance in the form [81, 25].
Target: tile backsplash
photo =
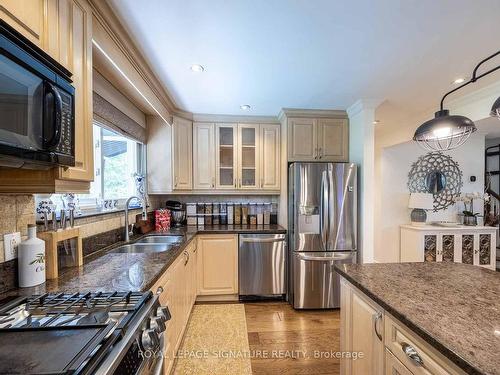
[16, 212]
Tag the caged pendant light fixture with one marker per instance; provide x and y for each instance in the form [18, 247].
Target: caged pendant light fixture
[447, 132]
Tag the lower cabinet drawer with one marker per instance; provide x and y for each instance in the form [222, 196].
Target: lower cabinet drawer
[414, 354]
[393, 366]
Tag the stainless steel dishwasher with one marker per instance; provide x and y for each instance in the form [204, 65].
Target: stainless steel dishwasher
[262, 265]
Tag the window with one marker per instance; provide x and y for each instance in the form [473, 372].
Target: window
[117, 161]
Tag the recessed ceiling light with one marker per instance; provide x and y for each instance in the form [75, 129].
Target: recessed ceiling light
[375, 122]
[245, 107]
[459, 80]
[197, 68]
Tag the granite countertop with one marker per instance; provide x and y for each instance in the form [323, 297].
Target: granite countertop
[107, 271]
[454, 307]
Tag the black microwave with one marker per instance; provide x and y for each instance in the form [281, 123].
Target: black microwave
[37, 106]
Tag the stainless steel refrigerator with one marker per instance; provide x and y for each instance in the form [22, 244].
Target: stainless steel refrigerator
[322, 224]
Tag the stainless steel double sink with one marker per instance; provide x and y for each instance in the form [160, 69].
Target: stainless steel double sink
[150, 244]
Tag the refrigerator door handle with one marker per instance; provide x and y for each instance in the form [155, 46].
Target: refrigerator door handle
[325, 259]
[324, 222]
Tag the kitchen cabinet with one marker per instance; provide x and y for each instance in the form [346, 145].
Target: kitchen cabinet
[317, 138]
[68, 38]
[469, 245]
[182, 154]
[248, 156]
[361, 331]
[302, 139]
[270, 157]
[27, 17]
[203, 156]
[217, 264]
[226, 156]
[332, 139]
[179, 293]
[388, 346]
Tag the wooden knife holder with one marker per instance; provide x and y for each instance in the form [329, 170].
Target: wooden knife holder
[63, 248]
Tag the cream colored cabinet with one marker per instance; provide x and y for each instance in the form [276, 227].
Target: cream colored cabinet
[63, 28]
[332, 139]
[182, 149]
[75, 50]
[226, 156]
[469, 245]
[270, 156]
[362, 329]
[27, 17]
[203, 156]
[248, 147]
[318, 139]
[217, 264]
[393, 366]
[179, 293]
[302, 139]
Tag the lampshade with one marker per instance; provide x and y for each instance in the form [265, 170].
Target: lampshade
[444, 132]
[495, 110]
[424, 201]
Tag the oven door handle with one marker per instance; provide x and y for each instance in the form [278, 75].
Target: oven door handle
[56, 138]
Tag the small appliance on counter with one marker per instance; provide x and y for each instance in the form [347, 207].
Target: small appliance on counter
[178, 212]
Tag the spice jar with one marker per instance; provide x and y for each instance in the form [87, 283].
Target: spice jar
[223, 214]
[230, 213]
[237, 214]
[215, 214]
[252, 213]
[208, 213]
[274, 213]
[267, 213]
[260, 214]
[244, 214]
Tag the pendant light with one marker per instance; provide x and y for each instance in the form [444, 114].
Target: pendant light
[495, 110]
[447, 132]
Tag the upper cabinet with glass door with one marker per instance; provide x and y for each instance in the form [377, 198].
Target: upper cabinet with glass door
[248, 156]
[226, 154]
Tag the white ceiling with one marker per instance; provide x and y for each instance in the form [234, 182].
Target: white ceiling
[310, 53]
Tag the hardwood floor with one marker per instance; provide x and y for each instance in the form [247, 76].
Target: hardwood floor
[274, 327]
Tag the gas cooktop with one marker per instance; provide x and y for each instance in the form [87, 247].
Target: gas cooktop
[63, 333]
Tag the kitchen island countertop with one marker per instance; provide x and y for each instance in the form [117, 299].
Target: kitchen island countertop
[454, 307]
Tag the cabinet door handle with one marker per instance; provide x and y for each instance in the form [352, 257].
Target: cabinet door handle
[412, 354]
[240, 183]
[315, 153]
[261, 183]
[176, 180]
[376, 318]
[213, 182]
[320, 153]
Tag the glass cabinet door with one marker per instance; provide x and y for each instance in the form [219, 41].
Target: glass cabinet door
[430, 248]
[248, 160]
[226, 156]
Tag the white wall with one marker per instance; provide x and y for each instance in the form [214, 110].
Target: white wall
[396, 163]
[493, 164]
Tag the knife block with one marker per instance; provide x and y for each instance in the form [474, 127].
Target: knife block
[63, 248]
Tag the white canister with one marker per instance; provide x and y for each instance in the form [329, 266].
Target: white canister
[31, 261]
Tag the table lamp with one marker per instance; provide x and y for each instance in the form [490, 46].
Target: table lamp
[420, 202]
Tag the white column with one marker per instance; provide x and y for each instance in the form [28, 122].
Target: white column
[362, 152]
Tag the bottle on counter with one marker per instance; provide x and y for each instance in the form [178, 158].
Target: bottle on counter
[200, 214]
[31, 262]
[260, 214]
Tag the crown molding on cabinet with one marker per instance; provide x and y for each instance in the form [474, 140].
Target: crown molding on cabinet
[202, 117]
[110, 23]
[316, 113]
